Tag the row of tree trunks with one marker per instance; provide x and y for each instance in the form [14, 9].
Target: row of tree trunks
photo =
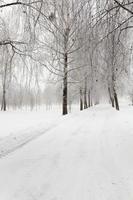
[84, 103]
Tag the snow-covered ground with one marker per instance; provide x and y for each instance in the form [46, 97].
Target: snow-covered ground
[18, 128]
[83, 156]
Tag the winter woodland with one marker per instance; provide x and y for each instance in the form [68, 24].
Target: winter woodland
[64, 52]
[66, 99]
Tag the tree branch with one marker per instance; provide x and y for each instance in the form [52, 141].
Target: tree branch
[122, 6]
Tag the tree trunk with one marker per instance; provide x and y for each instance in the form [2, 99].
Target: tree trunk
[112, 102]
[4, 100]
[114, 92]
[81, 99]
[3, 106]
[85, 95]
[111, 98]
[91, 102]
[89, 98]
[65, 87]
[116, 101]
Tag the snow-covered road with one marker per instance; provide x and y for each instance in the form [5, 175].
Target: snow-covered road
[86, 156]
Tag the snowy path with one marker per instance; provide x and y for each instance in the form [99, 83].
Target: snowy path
[19, 128]
[86, 156]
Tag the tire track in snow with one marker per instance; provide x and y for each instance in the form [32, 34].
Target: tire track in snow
[16, 144]
[11, 144]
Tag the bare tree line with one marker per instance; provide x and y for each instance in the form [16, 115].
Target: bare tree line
[85, 46]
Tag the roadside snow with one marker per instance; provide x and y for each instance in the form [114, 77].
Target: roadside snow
[18, 121]
[18, 128]
[85, 156]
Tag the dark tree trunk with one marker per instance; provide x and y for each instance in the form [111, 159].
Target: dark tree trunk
[85, 95]
[81, 100]
[111, 98]
[3, 106]
[91, 102]
[115, 93]
[89, 98]
[65, 86]
[112, 102]
[85, 101]
[4, 101]
[116, 101]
